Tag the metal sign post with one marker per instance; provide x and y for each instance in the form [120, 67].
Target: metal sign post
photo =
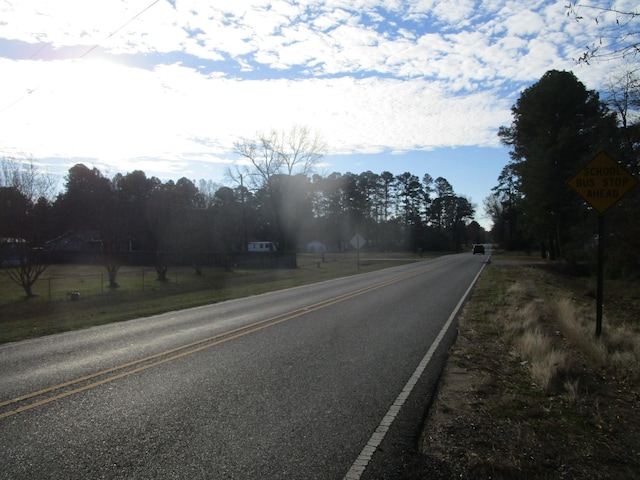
[358, 242]
[599, 288]
[602, 183]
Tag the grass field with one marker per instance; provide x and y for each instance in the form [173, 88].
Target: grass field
[139, 294]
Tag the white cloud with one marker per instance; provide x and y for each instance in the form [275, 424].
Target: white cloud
[370, 75]
[118, 112]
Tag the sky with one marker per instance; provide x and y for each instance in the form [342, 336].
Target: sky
[168, 86]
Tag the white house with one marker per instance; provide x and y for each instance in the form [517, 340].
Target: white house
[316, 247]
[261, 247]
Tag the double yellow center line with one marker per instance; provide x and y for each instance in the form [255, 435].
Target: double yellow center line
[53, 393]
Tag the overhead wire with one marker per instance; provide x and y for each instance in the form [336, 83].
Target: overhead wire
[119, 28]
[80, 57]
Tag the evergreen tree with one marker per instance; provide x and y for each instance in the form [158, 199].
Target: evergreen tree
[558, 125]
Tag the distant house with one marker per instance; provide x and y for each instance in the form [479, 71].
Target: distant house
[261, 247]
[75, 242]
[82, 247]
[316, 247]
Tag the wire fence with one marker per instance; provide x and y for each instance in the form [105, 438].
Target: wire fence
[72, 282]
[74, 286]
[71, 285]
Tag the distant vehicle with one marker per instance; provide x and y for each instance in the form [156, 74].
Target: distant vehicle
[477, 248]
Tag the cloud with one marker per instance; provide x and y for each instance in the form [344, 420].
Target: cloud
[184, 80]
[123, 112]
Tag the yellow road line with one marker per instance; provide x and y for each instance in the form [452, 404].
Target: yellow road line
[182, 351]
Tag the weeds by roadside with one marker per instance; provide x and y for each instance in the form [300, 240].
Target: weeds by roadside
[617, 351]
[529, 392]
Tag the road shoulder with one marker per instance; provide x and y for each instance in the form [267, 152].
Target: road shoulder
[490, 420]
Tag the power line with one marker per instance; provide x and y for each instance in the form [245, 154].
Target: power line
[80, 57]
[119, 28]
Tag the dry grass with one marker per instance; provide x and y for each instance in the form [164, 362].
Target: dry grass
[524, 328]
[578, 329]
[617, 350]
[533, 328]
[571, 391]
[547, 364]
[522, 397]
[521, 319]
[523, 289]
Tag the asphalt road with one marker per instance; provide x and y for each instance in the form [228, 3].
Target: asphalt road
[326, 381]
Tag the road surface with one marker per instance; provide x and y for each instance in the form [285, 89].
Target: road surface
[325, 381]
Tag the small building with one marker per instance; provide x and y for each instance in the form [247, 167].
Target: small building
[316, 247]
[82, 247]
[261, 247]
[83, 241]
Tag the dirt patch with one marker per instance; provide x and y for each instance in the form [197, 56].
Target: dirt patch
[491, 420]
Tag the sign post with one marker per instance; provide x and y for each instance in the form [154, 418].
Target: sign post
[358, 242]
[602, 183]
[600, 276]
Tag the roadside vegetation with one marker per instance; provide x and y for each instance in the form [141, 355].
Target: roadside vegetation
[529, 391]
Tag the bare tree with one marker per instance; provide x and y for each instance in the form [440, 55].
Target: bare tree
[622, 94]
[301, 150]
[207, 190]
[27, 177]
[262, 154]
[24, 211]
[279, 162]
[618, 35]
[25, 202]
[237, 174]
[297, 151]
[32, 262]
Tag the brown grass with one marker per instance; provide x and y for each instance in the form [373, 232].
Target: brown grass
[617, 350]
[532, 344]
[527, 390]
[536, 345]
[578, 329]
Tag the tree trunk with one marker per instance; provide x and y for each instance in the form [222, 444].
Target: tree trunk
[162, 273]
[552, 247]
[113, 272]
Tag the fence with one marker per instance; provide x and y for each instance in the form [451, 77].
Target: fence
[70, 281]
[149, 259]
[72, 286]
[73, 283]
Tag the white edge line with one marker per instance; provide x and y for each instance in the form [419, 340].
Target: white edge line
[360, 464]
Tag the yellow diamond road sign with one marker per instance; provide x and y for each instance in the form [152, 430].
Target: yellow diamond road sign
[602, 182]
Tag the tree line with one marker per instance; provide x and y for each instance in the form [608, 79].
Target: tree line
[189, 222]
[558, 127]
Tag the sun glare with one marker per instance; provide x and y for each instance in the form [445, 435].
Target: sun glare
[99, 104]
[81, 83]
